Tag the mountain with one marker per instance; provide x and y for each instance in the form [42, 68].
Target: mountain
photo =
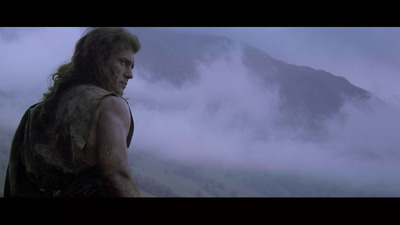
[173, 56]
[308, 96]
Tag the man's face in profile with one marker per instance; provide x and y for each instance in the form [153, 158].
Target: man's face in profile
[120, 65]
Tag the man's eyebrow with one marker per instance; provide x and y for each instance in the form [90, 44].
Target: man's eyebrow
[132, 62]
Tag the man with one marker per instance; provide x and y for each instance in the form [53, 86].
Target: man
[74, 142]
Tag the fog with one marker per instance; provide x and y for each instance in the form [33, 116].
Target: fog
[228, 119]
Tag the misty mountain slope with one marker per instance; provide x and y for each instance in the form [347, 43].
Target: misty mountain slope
[308, 96]
[242, 108]
[173, 56]
[162, 178]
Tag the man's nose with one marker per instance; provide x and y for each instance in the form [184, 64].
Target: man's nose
[129, 73]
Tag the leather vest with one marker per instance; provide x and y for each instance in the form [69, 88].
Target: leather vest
[50, 160]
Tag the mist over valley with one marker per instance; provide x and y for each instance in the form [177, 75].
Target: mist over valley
[215, 116]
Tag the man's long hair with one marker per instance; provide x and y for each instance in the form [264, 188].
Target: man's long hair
[87, 65]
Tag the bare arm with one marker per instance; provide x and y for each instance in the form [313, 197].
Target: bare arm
[112, 129]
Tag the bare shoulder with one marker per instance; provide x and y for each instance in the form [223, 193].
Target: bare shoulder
[111, 121]
[115, 106]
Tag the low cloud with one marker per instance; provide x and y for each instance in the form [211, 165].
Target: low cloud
[228, 119]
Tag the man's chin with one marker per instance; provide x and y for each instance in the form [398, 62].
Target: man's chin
[118, 92]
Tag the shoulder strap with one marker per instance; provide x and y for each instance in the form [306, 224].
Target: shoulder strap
[131, 128]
